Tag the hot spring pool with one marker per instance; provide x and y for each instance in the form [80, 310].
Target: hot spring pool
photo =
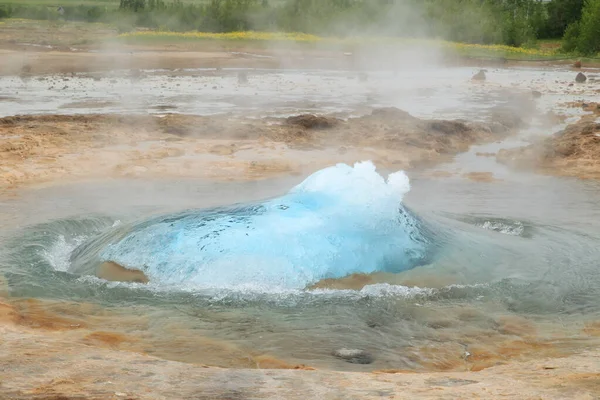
[455, 269]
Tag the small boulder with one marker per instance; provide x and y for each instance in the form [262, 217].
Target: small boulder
[577, 64]
[480, 76]
[580, 78]
[310, 121]
[354, 356]
[535, 94]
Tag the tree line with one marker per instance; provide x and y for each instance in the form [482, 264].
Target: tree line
[511, 22]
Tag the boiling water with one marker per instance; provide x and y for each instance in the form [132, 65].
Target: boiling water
[460, 272]
[339, 221]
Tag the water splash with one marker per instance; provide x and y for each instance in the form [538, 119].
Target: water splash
[59, 252]
[340, 220]
[512, 228]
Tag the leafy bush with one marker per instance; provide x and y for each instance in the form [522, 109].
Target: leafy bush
[571, 38]
[589, 28]
[5, 11]
[559, 15]
[584, 36]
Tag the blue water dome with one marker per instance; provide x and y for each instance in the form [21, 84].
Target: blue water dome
[339, 221]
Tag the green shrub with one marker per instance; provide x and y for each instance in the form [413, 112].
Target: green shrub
[589, 31]
[5, 11]
[569, 44]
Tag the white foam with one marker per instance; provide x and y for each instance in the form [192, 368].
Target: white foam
[58, 255]
[515, 229]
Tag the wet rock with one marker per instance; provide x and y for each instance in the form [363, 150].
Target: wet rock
[354, 356]
[577, 64]
[111, 271]
[310, 121]
[391, 113]
[535, 94]
[480, 76]
[448, 127]
[580, 78]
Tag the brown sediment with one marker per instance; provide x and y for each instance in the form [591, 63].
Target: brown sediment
[112, 271]
[480, 176]
[406, 278]
[269, 362]
[513, 325]
[8, 313]
[441, 357]
[436, 174]
[33, 313]
[592, 328]
[352, 282]
[46, 148]
[575, 151]
[111, 339]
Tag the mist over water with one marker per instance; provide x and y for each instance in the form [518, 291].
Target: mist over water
[447, 260]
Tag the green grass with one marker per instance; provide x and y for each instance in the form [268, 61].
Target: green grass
[57, 3]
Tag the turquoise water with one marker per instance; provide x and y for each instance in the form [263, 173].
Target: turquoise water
[339, 221]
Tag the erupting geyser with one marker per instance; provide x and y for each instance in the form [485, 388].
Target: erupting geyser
[340, 220]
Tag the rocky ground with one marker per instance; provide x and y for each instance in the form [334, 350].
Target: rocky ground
[574, 151]
[38, 149]
[49, 365]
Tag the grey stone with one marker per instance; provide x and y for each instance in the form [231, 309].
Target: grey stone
[354, 356]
